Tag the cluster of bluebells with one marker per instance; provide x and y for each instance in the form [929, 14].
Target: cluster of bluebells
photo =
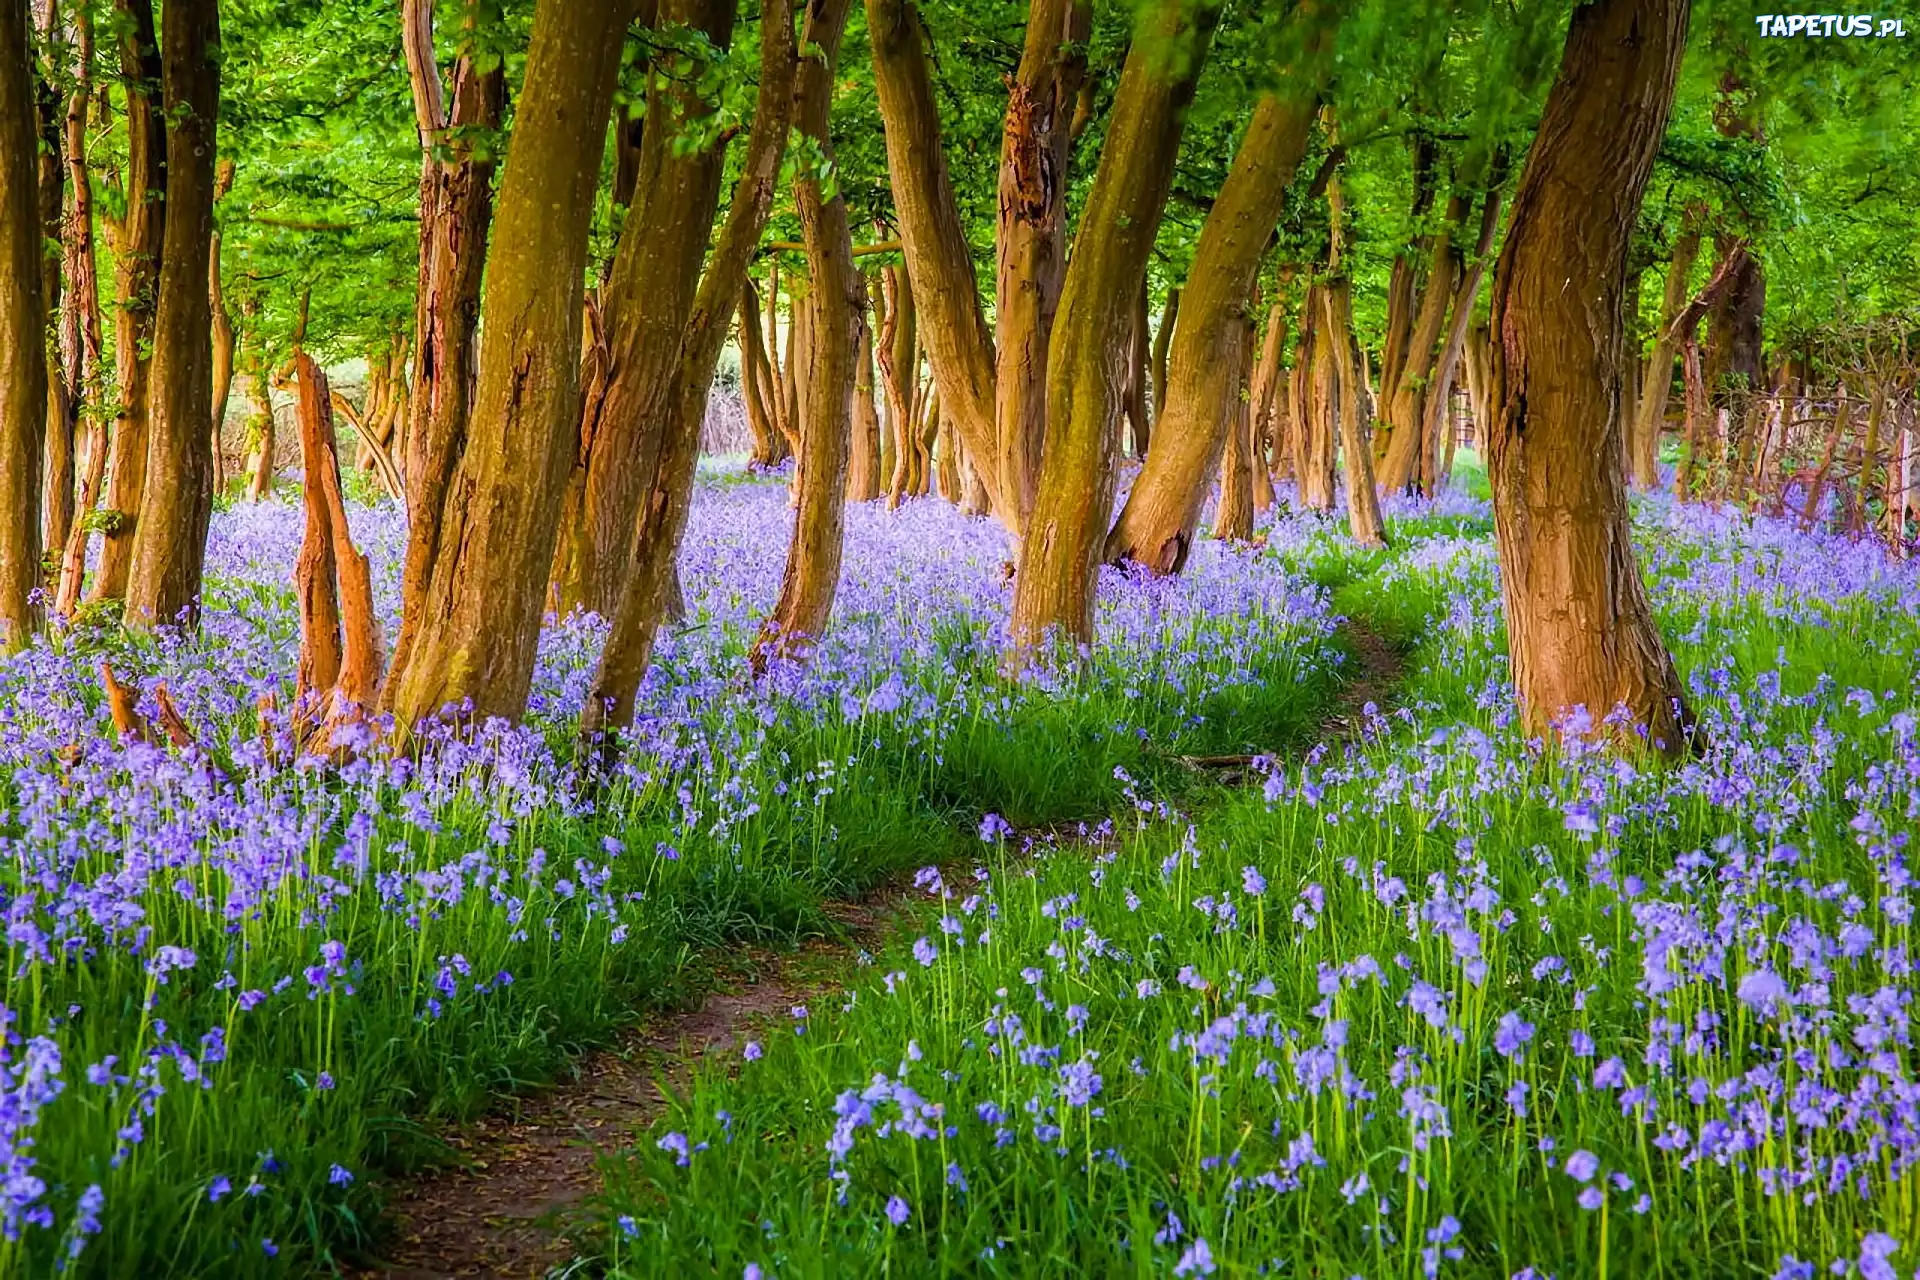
[205, 934]
[1446, 1000]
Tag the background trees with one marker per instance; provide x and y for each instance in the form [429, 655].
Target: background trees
[1245, 245]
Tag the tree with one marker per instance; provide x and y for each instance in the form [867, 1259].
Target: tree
[479, 616]
[1206, 370]
[23, 351]
[1580, 630]
[170, 537]
[1060, 554]
[834, 327]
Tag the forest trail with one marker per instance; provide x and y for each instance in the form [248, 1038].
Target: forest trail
[508, 1208]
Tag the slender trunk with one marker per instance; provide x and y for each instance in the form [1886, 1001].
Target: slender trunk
[1206, 372]
[1656, 381]
[1407, 369]
[314, 571]
[1233, 518]
[170, 538]
[1580, 629]
[260, 425]
[479, 616]
[80, 342]
[1060, 555]
[224, 340]
[1035, 149]
[663, 516]
[1479, 384]
[1356, 449]
[769, 446]
[456, 209]
[1314, 391]
[57, 449]
[931, 414]
[898, 355]
[1439, 392]
[23, 347]
[1139, 429]
[881, 336]
[1162, 345]
[656, 270]
[1817, 490]
[863, 470]
[934, 242]
[138, 243]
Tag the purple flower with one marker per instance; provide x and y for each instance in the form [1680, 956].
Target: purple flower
[924, 952]
[1762, 991]
[218, 1189]
[1511, 1035]
[1582, 1165]
[1592, 1198]
[340, 1176]
[752, 1051]
[897, 1211]
[1196, 1261]
[1252, 881]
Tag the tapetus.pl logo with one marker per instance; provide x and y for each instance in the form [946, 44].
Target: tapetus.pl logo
[1822, 26]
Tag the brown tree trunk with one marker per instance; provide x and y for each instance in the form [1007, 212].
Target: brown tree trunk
[1580, 629]
[138, 242]
[61, 409]
[1356, 450]
[898, 354]
[314, 571]
[1139, 428]
[80, 343]
[260, 424]
[1418, 306]
[456, 208]
[1269, 399]
[663, 516]
[223, 337]
[479, 616]
[23, 347]
[933, 238]
[1060, 554]
[863, 470]
[1314, 390]
[1435, 435]
[170, 538]
[656, 270]
[1162, 346]
[1206, 373]
[1656, 381]
[1035, 148]
[835, 301]
[769, 445]
[1233, 518]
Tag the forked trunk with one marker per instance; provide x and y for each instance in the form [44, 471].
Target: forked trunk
[1580, 629]
[1061, 552]
[1206, 376]
[650, 580]
[1233, 518]
[479, 616]
[23, 348]
[170, 538]
[1656, 377]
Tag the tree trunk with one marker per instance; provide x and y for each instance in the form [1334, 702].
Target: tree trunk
[456, 208]
[314, 571]
[1233, 518]
[1435, 432]
[1269, 375]
[138, 242]
[479, 616]
[223, 337]
[898, 354]
[1035, 149]
[1356, 450]
[863, 470]
[260, 427]
[23, 347]
[1580, 629]
[769, 445]
[933, 238]
[663, 516]
[1313, 391]
[1139, 428]
[1162, 345]
[80, 342]
[1060, 554]
[1206, 374]
[170, 538]
[1656, 381]
[61, 409]
[1414, 329]
[835, 301]
[656, 270]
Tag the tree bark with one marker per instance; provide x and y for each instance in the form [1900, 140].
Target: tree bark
[656, 270]
[170, 538]
[1435, 430]
[261, 427]
[934, 242]
[1233, 517]
[138, 243]
[1657, 376]
[1158, 354]
[769, 445]
[224, 340]
[1035, 148]
[663, 516]
[80, 343]
[456, 208]
[899, 357]
[835, 302]
[61, 408]
[1356, 450]
[863, 470]
[1580, 630]
[314, 570]
[1137, 389]
[23, 347]
[1206, 374]
[1060, 556]
[478, 618]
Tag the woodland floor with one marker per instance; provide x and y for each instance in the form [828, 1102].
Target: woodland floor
[507, 1208]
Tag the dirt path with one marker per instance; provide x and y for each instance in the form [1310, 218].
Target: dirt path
[507, 1209]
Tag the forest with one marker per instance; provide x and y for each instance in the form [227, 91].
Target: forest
[689, 637]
